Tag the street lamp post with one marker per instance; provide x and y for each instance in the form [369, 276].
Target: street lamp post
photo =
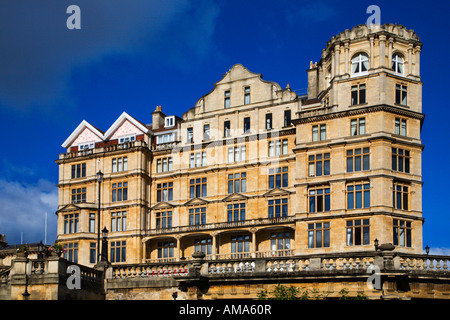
[104, 256]
[99, 180]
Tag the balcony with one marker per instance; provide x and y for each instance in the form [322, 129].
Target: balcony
[222, 225]
[286, 263]
[164, 146]
[108, 148]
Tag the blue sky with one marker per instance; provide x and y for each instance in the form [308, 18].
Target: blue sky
[134, 55]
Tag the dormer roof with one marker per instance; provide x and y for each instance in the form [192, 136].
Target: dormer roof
[124, 117]
[84, 125]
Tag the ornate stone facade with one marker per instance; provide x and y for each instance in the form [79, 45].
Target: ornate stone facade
[254, 170]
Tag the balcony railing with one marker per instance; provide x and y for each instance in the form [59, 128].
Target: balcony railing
[282, 261]
[222, 225]
[110, 148]
[164, 146]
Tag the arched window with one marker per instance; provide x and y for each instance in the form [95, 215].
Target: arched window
[360, 63]
[398, 63]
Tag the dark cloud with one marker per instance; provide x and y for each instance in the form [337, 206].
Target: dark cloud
[39, 51]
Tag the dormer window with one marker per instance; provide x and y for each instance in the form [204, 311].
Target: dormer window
[86, 146]
[360, 64]
[398, 64]
[127, 139]
[169, 121]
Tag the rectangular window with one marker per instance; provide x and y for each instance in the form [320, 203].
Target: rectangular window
[319, 132]
[71, 223]
[319, 165]
[92, 222]
[358, 94]
[206, 135]
[163, 219]
[287, 118]
[401, 160]
[79, 195]
[165, 249]
[79, 170]
[358, 196]
[164, 191]
[402, 233]
[169, 121]
[319, 235]
[278, 177]
[319, 199]
[119, 164]
[197, 216]
[197, 188]
[237, 182]
[197, 159]
[118, 221]
[236, 212]
[247, 125]
[118, 250]
[401, 92]
[119, 192]
[278, 147]
[268, 121]
[358, 232]
[164, 165]
[358, 159]
[203, 245]
[236, 153]
[190, 135]
[400, 126]
[92, 252]
[226, 99]
[127, 139]
[280, 241]
[277, 207]
[400, 196]
[226, 128]
[357, 126]
[247, 95]
[71, 252]
[165, 138]
[240, 244]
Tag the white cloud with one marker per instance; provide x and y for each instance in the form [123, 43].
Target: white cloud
[23, 208]
[440, 251]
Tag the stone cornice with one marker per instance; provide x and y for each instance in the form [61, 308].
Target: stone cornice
[329, 113]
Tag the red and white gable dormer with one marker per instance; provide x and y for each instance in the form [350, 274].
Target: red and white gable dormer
[84, 137]
[126, 129]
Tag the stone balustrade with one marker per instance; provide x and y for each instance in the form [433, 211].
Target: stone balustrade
[425, 263]
[149, 270]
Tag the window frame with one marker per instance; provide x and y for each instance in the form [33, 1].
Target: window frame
[315, 229]
[364, 153]
[319, 161]
[324, 195]
[359, 60]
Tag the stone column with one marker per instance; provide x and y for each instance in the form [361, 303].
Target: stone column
[253, 247]
[382, 50]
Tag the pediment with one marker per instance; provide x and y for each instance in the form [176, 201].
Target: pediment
[77, 207]
[277, 192]
[163, 205]
[196, 202]
[235, 197]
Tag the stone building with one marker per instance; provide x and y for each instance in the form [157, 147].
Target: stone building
[254, 170]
